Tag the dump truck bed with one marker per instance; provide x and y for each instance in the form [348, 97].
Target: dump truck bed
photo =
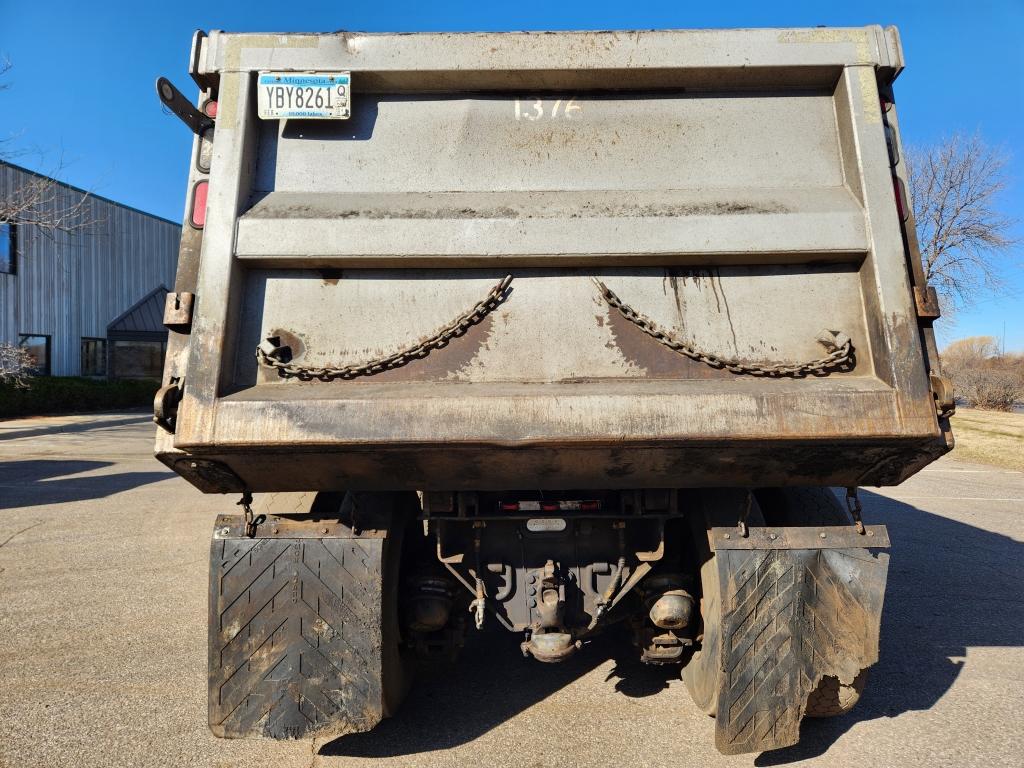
[733, 189]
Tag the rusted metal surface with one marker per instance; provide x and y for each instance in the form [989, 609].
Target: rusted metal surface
[945, 398]
[927, 302]
[470, 466]
[277, 527]
[790, 617]
[208, 475]
[296, 643]
[812, 537]
[178, 311]
[836, 343]
[272, 354]
[165, 405]
[575, 183]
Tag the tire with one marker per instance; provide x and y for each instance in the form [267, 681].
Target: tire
[832, 698]
[702, 673]
[801, 507]
[810, 506]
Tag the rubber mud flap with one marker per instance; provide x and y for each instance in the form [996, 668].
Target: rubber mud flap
[295, 636]
[789, 618]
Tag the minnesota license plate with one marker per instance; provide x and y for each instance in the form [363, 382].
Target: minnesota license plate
[304, 95]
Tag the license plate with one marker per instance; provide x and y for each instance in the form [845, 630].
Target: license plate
[303, 95]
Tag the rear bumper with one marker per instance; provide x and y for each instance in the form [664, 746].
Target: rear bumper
[621, 465]
[670, 434]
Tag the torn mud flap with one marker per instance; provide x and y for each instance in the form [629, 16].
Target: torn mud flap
[295, 637]
[798, 604]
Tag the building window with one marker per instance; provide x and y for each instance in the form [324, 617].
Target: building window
[39, 348]
[94, 357]
[138, 359]
[8, 251]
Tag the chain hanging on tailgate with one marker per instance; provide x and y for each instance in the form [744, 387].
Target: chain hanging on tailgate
[838, 344]
[267, 352]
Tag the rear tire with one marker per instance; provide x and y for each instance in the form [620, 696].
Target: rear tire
[803, 507]
[400, 509]
[703, 672]
[832, 698]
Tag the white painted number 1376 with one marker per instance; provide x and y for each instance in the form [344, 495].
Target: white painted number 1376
[537, 109]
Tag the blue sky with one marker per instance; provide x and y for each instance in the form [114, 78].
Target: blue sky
[82, 82]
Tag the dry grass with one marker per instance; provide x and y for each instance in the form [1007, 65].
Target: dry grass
[989, 437]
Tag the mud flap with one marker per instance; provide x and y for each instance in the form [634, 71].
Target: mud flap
[295, 635]
[798, 604]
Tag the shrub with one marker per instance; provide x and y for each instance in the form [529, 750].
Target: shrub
[982, 376]
[48, 395]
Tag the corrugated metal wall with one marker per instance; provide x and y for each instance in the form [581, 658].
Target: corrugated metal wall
[70, 285]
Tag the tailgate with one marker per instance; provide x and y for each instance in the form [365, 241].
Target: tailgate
[737, 211]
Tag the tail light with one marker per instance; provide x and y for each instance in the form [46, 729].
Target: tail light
[197, 211]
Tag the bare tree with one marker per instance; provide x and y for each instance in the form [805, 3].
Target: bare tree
[39, 201]
[982, 376]
[16, 365]
[955, 187]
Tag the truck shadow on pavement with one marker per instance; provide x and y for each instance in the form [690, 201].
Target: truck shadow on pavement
[491, 684]
[951, 586]
[75, 427]
[35, 482]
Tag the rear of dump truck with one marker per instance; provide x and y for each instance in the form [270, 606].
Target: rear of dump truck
[563, 332]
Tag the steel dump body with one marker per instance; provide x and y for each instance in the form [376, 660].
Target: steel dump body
[736, 188]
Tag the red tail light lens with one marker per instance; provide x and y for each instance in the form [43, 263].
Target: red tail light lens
[901, 198]
[197, 214]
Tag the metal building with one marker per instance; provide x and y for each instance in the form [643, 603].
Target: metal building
[64, 282]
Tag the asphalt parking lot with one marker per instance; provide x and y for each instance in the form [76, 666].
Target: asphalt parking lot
[103, 558]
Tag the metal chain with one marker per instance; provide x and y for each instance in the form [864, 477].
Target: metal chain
[250, 523]
[838, 344]
[266, 354]
[854, 507]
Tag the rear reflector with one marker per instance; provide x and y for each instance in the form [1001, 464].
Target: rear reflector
[901, 198]
[197, 215]
[571, 505]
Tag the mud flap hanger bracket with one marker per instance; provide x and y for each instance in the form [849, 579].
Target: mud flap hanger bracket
[816, 537]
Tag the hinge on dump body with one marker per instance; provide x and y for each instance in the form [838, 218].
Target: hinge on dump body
[926, 300]
[178, 311]
[165, 404]
[942, 390]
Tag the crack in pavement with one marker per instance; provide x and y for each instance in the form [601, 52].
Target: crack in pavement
[18, 533]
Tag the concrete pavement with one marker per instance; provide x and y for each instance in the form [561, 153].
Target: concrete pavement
[103, 557]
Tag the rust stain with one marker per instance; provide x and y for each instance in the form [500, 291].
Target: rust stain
[441, 363]
[659, 361]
